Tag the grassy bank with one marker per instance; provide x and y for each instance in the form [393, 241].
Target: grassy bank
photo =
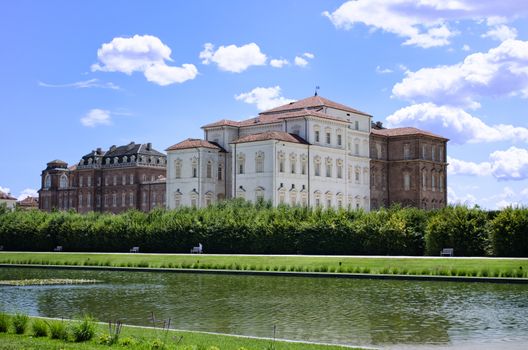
[496, 267]
[141, 338]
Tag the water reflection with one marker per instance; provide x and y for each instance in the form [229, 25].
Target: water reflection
[347, 311]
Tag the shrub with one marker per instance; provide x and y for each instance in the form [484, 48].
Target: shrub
[39, 328]
[84, 330]
[127, 341]
[20, 322]
[509, 233]
[57, 330]
[4, 322]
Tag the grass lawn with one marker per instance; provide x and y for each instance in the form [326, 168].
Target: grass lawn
[483, 267]
[144, 338]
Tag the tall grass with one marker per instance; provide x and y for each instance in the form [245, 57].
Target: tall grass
[20, 322]
[39, 328]
[5, 320]
[84, 329]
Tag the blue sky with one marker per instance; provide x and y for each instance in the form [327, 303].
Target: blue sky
[77, 75]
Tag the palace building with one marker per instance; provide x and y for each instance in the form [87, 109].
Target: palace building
[122, 178]
[313, 152]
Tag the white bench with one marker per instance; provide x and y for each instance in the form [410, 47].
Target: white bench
[197, 250]
[447, 252]
[58, 248]
[134, 250]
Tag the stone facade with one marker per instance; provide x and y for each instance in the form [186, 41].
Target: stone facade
[122, 178]
[408, 166]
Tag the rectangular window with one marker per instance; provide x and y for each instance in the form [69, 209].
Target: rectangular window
[317, 136]
[356, 125]
[98, 181]
[339, 140]
[123, 199]
[219, 173]
[433, 151]
[80, 200]
[328, 170]
[241, 168]
[80, 181]
[115, 180]
[209, 170]
[406, 182]
[98, 200]
[281, 166]
[106, 180]
[433, 183]
[131, 179]
[123, 179]
[328, 138]
[440, 153]
[424, 152]
[303, 168]
[114, 200]
[317, 169]
[356, 149]
[89, 181]
[89, 200]
[339, 171]
[131, 199]
[293, 166]
[406, 151]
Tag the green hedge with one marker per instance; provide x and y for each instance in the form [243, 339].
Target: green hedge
[240, 227]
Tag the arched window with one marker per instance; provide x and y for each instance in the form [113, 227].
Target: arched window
[116, 160]
[194, 164]
[177, 199]
[433, 181]
[282, 160]
[63, 181]
[209, 169]
[329, 164]
[293, 163]
[259, 194]
[304, 161]
[259, 162]
[317, 197]
[339, 198]
[241, 163]
[209, 198]
[339, 168]
[293, 197]
[328, 196]
[357, 175]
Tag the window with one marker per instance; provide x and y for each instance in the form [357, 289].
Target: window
[259, 194]
[406, 181]
[115, 180]
[80, 200]
[194, 170]
[433, 182]
[63, 181]
[424, 152]
[356, 149]
[193, 202]
[356, 175]
[154, 197]
[406, 151]
[89, 181]
[433, 151]
[328, 167]
[131, 199]
[339, 169]
[317, 196]
[339, 139]
[441, 183]
[317, 166]
[209, 170]
[328, 138]
[317, 136]
[131, 179]
[350, 171]
[98, 181]
[106, 180]
[424, 180]
[282, 196]
[440, 154]
[114, 199]
[293, 163]
[123, 179]
[177, 168]
[123, 199]
[208, 199]
[356, 125]
[98, 200]
[80, 181]
[281, 161]
[177, 200]
[378, 151]
[293, 197]
[106, 200]
[259, 162]
[304, 199]
[89, 200]
[303, 164]
[241, 163]
[144, 202]
[219, 171]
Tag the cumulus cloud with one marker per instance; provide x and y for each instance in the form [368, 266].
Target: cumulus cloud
[466, 47]
[96, 117]
[455, 124]
[468, 199]
[27, 192]
[380, 70]
[279, 63]
[5, 189]
[233, 58]
[502, 71]
[309, 55]
[142, 53]
[507, 165]
[301, 62]
[264, 98]
[501, 32]
[423, 23]
[84, 84]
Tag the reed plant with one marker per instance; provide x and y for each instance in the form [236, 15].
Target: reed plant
[20, 322]
[57, 330]
[5, 321]
[39, 328]
[84, 329]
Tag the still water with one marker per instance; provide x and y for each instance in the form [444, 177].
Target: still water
[378, 313]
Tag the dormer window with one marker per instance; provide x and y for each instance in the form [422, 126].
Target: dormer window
[116, 160]
[107, 161]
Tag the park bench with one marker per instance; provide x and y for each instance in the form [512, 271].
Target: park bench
[198, 249]
[58, 248]
[134, 250]
[447, 252]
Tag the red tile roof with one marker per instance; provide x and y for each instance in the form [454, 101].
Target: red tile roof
[194, 143]
[313, 102]
[272, 135]
[404, 132]
[223, 122]
[6, 196]
[29, 201]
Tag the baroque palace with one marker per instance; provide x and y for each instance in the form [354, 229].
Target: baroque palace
[312, 152]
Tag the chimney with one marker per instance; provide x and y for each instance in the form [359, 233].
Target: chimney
[149, 146]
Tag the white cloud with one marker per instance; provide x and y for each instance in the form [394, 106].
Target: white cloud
[5, 189]
[233, 58]
[455, 124]
[309, 55]
[142, 53]
[468, 200]
[264, 98]
[502, 71]
[466, 47]
[423, 23]
[28, 192]
[279, 63]
[461, 167]
[301, 62]
[91, 83]
[380, 70]
[501, 32]
[507, 198]
[96, 117]
[508, 165]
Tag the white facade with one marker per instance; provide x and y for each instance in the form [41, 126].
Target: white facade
[311, 153]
